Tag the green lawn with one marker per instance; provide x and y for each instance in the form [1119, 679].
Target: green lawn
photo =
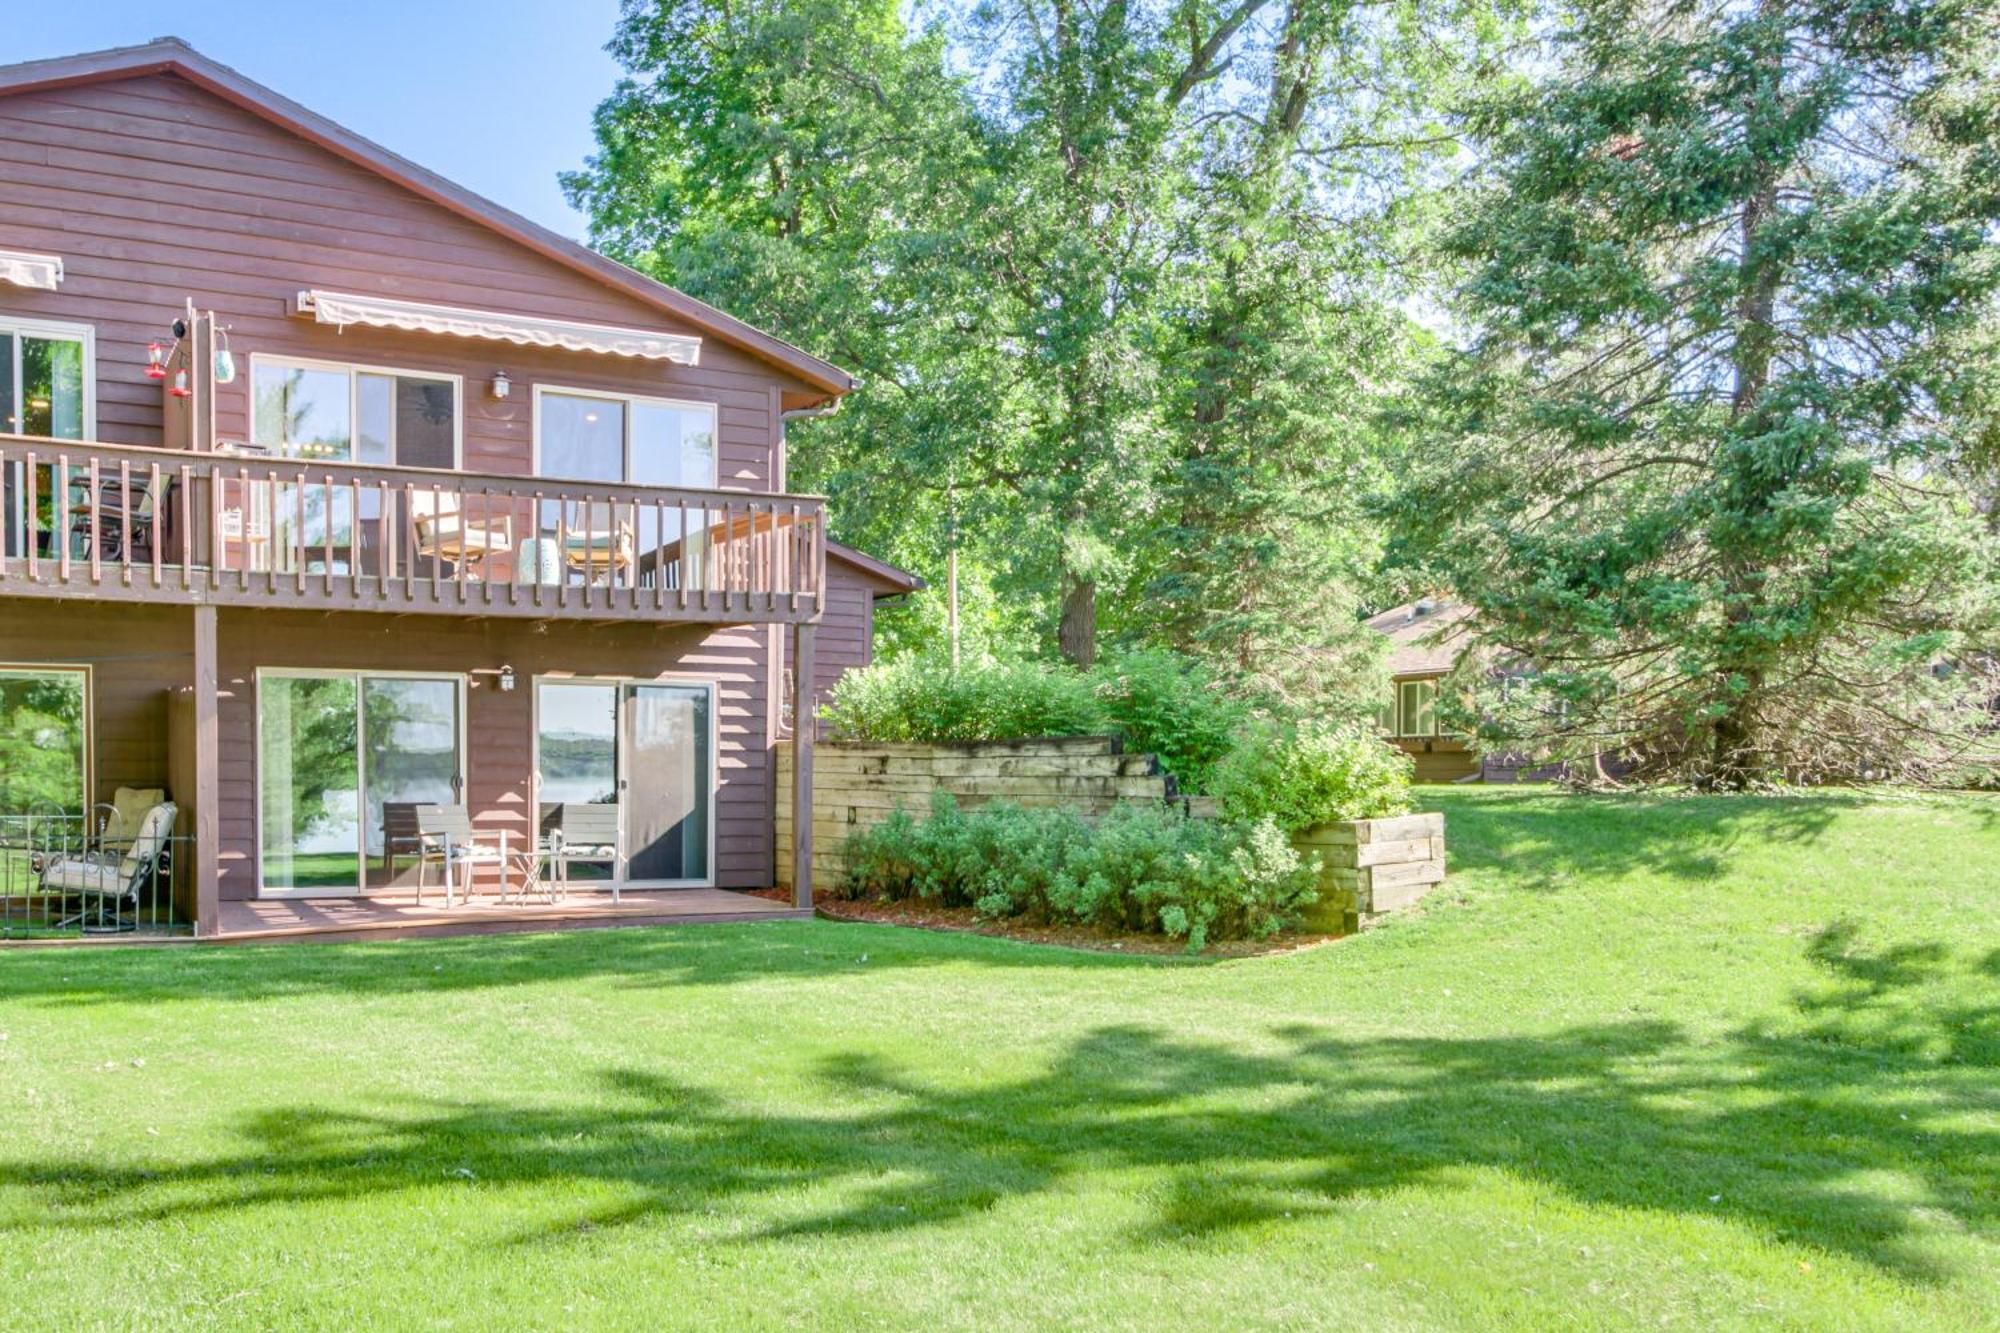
[1642, 1062]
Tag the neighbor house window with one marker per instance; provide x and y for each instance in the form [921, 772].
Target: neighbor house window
[44, 741]
[1416, 708]
[354, 414]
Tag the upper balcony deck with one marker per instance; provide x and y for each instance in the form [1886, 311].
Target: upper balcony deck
[238, 527]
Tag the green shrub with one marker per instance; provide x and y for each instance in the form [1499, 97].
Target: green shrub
[1159, 702]
[921, 698]
[1139, 868]
[1311, 774]
[1171, 706]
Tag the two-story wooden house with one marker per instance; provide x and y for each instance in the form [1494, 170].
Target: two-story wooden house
[330, 491]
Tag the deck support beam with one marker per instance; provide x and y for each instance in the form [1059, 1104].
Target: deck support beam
[207, 772]
[803, 727]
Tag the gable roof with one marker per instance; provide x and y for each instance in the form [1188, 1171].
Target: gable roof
[171, 55]
[887, 580]
[1426, 637]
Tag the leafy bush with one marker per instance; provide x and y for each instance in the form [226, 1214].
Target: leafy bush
[1139, 868]
[1311, 774]
[920, 698]
[1159, 702]
[1171, 706]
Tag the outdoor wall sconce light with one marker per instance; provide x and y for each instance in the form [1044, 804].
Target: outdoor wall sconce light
[506, 680]
[501, 386]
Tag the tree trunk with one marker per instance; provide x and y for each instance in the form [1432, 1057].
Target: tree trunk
[1077, 634]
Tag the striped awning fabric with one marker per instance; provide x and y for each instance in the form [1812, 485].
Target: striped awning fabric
[341, 309]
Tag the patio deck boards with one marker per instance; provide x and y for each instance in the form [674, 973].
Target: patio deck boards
[392, 915]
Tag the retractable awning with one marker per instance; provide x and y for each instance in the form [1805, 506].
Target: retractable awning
[341, 309]
[26, 270]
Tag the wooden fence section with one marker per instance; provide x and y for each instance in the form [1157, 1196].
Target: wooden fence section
[858, 784]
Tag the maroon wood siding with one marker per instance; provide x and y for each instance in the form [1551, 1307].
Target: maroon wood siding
[499, 725]
[135, 659]
[154, 191]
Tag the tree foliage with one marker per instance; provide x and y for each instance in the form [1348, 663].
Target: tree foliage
[1705, 459]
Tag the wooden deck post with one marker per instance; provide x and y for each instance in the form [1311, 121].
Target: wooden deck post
[207, 767]
[803, 727]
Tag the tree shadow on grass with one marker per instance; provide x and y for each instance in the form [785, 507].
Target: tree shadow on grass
[636, 957]
[1772, 1130]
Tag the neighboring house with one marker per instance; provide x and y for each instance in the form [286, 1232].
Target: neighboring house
[1426, 639]
[329, 486]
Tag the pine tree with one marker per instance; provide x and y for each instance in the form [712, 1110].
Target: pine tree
[1702, 462]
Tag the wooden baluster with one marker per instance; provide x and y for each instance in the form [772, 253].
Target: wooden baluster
[464, 540]
[218, 554]
[354, 530]
[187, 525]
[437, 560]
[6, 506]
[59, 516]
[326, 565]
[535, 573]
[659, 555]
[95, 533]
[385, 537]
[562, 552]
[408, 528]
[686, 559]
[819, 556]
[792, 556]
[28, 526]
[125, 521]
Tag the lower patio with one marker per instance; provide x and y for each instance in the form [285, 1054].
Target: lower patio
[400, 913]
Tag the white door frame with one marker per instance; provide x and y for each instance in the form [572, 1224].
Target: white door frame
[622, 777]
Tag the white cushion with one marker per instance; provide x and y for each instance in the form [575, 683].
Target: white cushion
[86, 877]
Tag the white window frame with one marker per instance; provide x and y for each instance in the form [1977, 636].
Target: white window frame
[45, 328]
[354, 370]
[1404, 719]
[714, 687]
[630, 400]
[356, 674]
[84, 670]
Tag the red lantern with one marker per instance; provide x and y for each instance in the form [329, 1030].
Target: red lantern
[156, 362]
[180, 389]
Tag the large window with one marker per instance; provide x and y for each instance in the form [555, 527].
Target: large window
[334, 750]
[356, 414]
[47, 382]
[44, 741]
[585, 436]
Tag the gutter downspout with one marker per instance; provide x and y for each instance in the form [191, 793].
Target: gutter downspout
[785, 419]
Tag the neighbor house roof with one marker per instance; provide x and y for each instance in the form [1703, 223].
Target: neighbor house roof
[1426, 637]
[171, 55]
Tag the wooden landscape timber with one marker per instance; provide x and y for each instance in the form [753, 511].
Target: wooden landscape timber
[1372, 866]
[860, 784]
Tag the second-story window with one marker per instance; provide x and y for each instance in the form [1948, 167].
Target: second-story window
[355, 414]
[585, 436]
[45, 379]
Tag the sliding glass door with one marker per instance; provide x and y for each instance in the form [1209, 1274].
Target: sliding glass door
[334, 749]
[626, 772]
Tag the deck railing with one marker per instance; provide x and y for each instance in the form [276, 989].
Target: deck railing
[237, 527]
[60, 877]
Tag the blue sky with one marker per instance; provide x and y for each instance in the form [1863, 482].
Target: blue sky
[495, 94]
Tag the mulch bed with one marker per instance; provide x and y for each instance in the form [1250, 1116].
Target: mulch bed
[926, 916]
